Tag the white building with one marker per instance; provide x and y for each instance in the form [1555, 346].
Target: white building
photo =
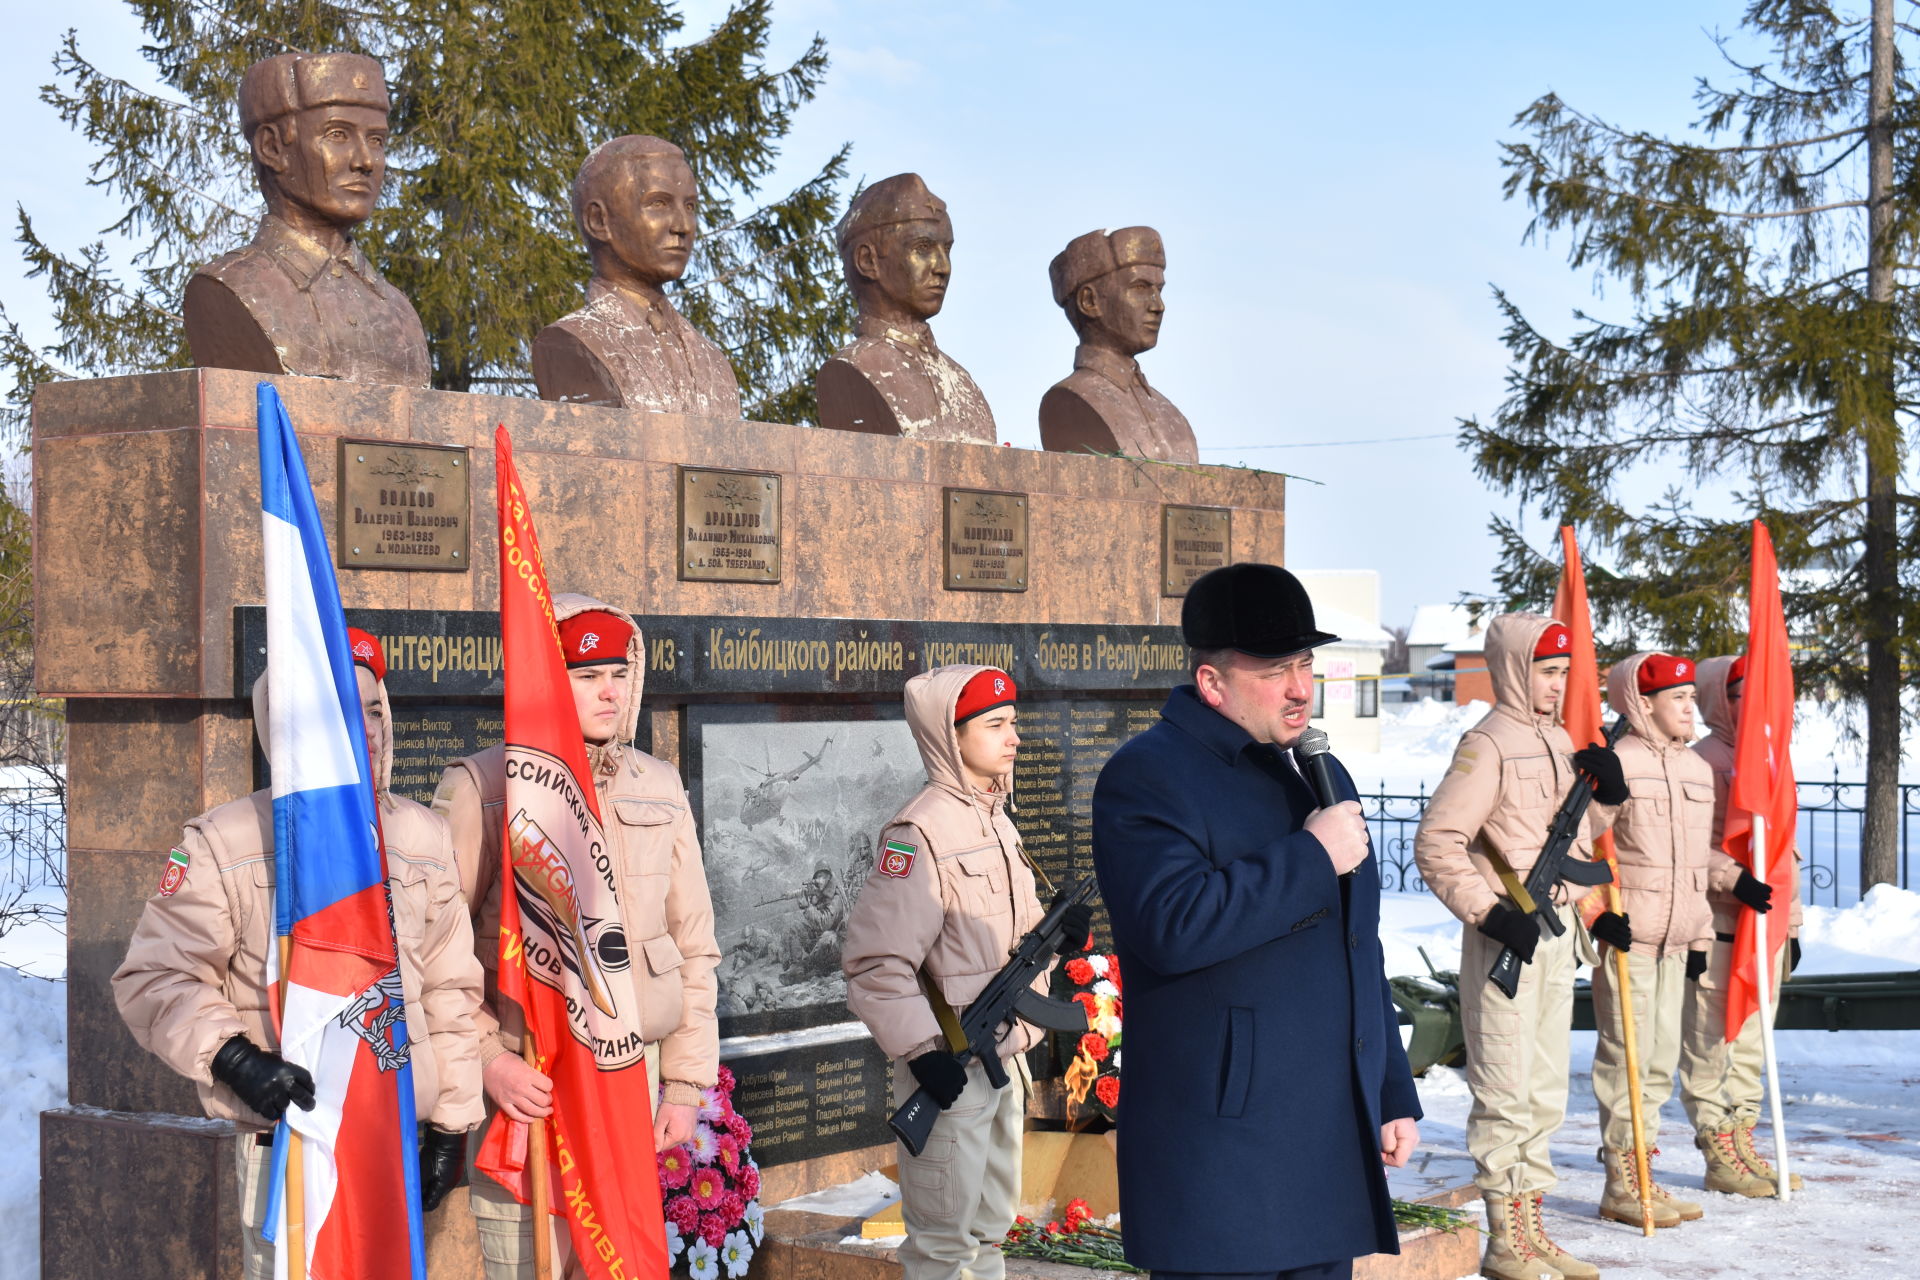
[1346, 699]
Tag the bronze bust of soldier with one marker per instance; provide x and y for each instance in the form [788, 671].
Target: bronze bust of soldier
[302, 298]
[893, 380]
[1109, 286]
[636, 205]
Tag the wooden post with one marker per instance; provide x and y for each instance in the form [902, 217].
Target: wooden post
[1629, 1040]
[540, 1176]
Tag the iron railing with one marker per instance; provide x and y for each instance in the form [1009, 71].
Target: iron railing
[33, 838]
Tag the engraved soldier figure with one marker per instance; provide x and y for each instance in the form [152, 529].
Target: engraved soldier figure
[302, 298]
[893, 379]
[636, 205]
[1109, 286]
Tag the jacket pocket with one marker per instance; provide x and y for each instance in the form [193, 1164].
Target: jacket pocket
[1237, 1074]
[409, 892]
[663, 956]
[1648, 795]
[662, 1000]
[983, 877]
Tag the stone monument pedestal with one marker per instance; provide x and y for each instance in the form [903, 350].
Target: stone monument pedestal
[147, 577]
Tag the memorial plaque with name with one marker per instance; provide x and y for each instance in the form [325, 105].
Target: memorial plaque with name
[729, 526]
[986, 541]
[1193, 540]
[812, 1100]
[403, 506]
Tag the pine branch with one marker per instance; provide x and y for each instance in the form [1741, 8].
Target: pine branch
[1655, 203]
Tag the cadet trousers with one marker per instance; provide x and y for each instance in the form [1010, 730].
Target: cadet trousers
[1341, 1270]
[1720, 1083]
[1658, 997]
[1516, 1060]
[959, 1196]
[254, 1165]
[505, 1226]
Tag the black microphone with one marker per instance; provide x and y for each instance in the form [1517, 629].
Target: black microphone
[1311, 753]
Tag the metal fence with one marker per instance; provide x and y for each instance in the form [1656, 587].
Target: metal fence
[33, 838]
[1831, 815]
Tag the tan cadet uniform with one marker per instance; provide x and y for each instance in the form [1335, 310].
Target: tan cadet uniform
[1720, 1083]
[664, 907]
[1509, 775]
[1661, 839]
[952, 892]
[195, 974]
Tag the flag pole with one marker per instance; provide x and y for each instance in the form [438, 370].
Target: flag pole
[1763, 987]
[540, 1176]
[1629, 1041]
[293, 1191]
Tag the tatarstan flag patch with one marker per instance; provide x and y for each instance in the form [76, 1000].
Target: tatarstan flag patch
[175, 875]
[896, 859]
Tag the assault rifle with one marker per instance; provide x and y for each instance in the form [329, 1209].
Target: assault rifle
[1557, 863]
[1009, 994]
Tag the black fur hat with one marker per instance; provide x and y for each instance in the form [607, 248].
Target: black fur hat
[1260, 610]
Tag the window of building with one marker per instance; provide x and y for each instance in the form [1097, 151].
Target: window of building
[1319, 698]
[1366, 698]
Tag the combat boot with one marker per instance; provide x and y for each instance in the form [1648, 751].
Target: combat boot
[1570, 1267]
[1621, 1199]
[1751, 1157]
[1511, 1253]
[1726, 1171]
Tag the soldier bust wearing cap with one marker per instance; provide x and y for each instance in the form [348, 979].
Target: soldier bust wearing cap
[1109, 286]
[1246, 920]
[894, 380]
[302, 298]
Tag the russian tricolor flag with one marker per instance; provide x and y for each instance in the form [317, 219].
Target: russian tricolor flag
[342, 1012]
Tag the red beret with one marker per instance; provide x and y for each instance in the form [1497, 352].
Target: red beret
[367, 652]
[596, 636]
[991, 688]
[1555, 642]
[1738, 671]
[1664, 671]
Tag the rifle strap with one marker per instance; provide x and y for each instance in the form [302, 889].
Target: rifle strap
[1515, 889]
[942, 1011]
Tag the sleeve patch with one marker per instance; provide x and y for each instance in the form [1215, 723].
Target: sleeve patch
[174, 876]
[896, 859]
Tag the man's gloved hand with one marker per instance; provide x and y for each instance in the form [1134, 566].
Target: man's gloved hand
[1793, 954]
[1757, 894]
[1696, 964]
[1513, 928]
[1076, 928]
[1613, 929]
[940, 1074]
[1603, 766]
[443, 1156]
[265, 1081]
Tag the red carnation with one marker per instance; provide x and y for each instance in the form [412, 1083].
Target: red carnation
[733, 1207]
[725, 1084]
[1087, 1001]
[1077, 1214]
[1094, 1046]
[684, 1214]
[1113, 971]
[713, 1229]
[1107, 1089]
[737, 1126]
[1079, 972]
[747, 1180]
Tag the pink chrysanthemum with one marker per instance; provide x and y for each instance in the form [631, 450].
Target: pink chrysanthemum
[706, 1187]
[675, 1168]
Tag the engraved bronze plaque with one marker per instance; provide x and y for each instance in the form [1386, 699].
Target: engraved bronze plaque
[986, 541]
[729, 526]
[403, 506]
[1193, 540]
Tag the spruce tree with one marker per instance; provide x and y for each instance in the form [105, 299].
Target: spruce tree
[1766, 336]
[494, 108]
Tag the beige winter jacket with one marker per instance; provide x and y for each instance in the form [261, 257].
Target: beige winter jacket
[1508, 777]
[664, 905]
[1717, 750]
[1662, 835]
[196, 971]
[956, 900]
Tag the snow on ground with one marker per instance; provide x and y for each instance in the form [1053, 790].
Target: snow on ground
[34, 1011]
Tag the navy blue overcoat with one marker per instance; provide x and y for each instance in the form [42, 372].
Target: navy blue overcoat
[1262, 1052]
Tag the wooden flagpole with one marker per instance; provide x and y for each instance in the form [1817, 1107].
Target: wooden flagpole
[540, 1176]
[1763, 987]
[1629, 1041]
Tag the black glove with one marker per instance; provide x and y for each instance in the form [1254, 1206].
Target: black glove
[1603, 766]
[1613, 929]
[1696, 964]
[265, 1081]
[1793, 954]
[941, 1075]
[1075, 926]
[1757, 894]
[1512, 928]
[443, 1158]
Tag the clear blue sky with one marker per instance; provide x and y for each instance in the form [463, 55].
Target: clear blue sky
[1326, 179]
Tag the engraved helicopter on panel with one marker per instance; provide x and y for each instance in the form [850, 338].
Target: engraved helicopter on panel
[765, 799]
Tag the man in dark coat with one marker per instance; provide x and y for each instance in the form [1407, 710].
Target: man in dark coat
[1265, 1080]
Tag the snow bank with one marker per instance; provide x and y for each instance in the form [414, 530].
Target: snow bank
[1881, 931]
[34, 1010]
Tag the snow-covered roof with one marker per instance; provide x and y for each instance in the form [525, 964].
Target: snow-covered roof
[1439, 624]
[1352, 630]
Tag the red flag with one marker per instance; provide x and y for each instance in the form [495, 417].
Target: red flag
[563, 957]
[1580, 709]
[1762, 776]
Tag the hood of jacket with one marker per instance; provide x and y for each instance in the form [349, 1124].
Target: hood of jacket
[566, 604]
[1511, 638]
[1624, 696]
[1716, 710]
[930, 699]
[262, 730]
